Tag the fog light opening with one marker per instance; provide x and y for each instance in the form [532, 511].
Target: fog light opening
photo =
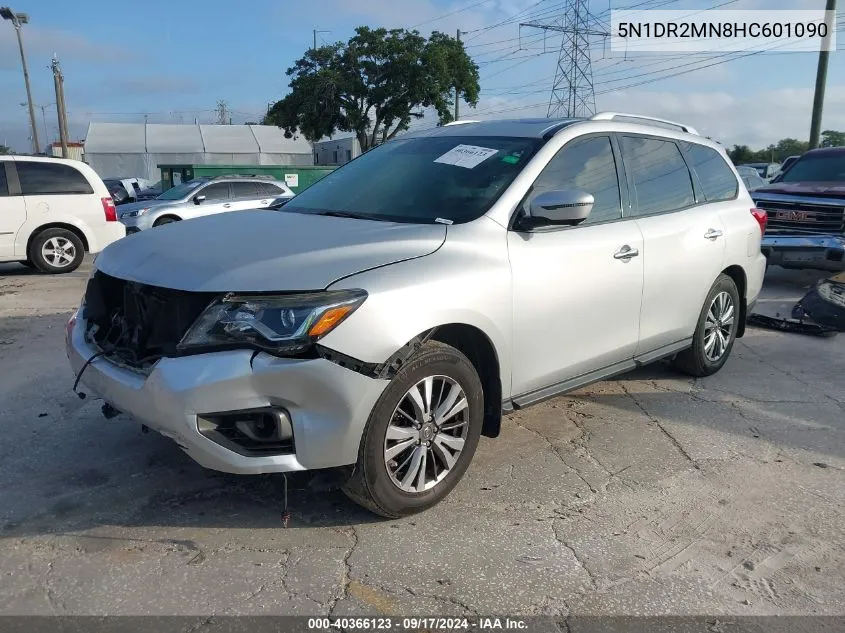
[265, 427]
[254, 432]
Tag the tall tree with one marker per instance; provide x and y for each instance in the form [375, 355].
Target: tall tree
[833, 138]
[375, 85]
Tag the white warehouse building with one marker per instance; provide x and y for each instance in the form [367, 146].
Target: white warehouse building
[124, 150]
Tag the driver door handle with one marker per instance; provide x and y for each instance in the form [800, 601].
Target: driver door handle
[626, 253]
[712, 234]
[227, 205]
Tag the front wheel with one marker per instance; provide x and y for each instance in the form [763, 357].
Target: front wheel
[421, 435]
[165, 220]
[715, 333]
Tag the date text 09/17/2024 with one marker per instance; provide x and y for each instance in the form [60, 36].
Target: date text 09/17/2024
[415, 624]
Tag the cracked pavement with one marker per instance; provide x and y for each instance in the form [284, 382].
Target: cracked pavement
[650, 494]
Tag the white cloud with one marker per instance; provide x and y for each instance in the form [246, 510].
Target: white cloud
[40, 44]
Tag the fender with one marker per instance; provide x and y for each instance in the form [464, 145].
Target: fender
[33, 225]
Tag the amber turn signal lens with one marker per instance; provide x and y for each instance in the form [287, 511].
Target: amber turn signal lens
[329, 320]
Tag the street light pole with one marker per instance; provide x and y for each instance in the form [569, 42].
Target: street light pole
[18, 19]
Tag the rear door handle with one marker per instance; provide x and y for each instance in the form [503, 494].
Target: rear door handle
[626, 253]
[227, 205]
[712, 234]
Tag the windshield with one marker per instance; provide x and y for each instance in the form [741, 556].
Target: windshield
[817, 168]
[421, 180]
[180, 191]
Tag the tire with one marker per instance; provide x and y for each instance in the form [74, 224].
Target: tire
[704, 359]
[56, 251]
[27, 263]
[165, 220]
[376, 480]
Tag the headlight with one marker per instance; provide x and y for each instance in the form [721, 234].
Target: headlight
[136, 213]
[281, 324]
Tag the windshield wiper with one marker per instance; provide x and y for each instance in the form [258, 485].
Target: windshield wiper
[346, 214]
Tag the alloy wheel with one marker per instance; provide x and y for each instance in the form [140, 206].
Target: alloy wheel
[426, 434]
[59, 252]
[718, 326]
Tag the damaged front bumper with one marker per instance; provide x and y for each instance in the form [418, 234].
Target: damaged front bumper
[819, 252]
[824, 303]
[327, 405]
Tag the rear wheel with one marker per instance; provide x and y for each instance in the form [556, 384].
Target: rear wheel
[421, 434]
[56, 251]
[715, 333]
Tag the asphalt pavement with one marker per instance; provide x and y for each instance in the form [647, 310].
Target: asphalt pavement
[651, 494]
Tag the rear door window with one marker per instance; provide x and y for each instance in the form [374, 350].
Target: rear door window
[245, 191]
[39, 178]
[659, 175]
[717, 180]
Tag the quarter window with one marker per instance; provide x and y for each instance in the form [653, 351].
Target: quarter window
[269, 190]
[660, 176]
[39, 178]
[717, 180]
[4, 185]
[585, 165]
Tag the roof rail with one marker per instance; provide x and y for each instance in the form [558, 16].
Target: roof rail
[610, 116]
[461, 122]
[261, 176]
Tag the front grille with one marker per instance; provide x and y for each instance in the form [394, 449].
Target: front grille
[802, 218]
[136, 324]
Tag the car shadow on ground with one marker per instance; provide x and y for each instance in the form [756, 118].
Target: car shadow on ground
[17, 270]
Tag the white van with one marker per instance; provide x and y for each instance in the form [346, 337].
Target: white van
[52, 211]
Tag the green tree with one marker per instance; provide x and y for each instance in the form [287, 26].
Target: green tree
[789, 147]
[833, 138]
[374, 85]
[5, 149]
[740, 154]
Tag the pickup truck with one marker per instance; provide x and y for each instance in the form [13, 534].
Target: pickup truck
[806, 212]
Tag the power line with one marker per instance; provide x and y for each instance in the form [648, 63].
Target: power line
[446, 15]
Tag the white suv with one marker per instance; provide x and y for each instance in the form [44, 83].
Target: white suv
[386, 316]
[52, 211]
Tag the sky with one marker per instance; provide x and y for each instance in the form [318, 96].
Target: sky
[171, 62]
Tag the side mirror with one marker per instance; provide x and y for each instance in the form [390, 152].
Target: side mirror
[567, 207]
[199, 199]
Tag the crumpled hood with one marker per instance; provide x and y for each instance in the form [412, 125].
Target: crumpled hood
[144, 204]
[260, 251]
[822, 189]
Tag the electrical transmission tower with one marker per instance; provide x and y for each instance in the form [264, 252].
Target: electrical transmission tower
[222, 113]
[572, 92]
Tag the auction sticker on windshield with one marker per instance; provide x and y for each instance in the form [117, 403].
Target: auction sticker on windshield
[468, 156]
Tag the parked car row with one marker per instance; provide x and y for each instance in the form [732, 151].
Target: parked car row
[53, 211]
[383, 320]
[204, 196]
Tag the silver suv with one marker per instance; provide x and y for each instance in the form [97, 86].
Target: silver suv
[386, 317]
[203, 196]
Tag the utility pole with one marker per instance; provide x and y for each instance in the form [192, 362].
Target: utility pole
[44, 119]
[19, 19]
[572, 93]
[821, 76]
[58, 81]
[457, 90]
